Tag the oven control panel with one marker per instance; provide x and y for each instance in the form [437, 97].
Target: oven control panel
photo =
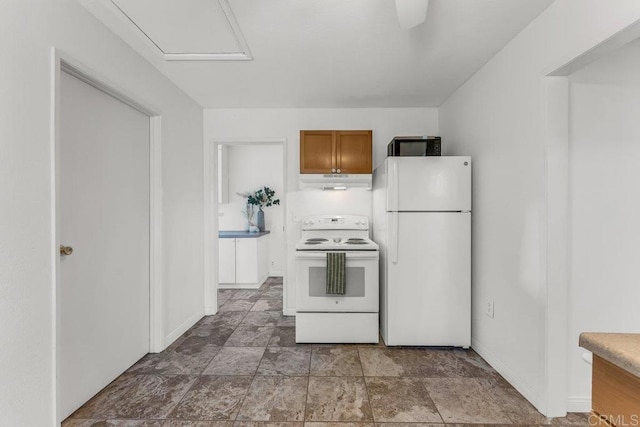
[335, 222]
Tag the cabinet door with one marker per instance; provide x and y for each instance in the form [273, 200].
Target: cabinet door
[246, 260]
[317, 151]
[354, 151]
[226, 260]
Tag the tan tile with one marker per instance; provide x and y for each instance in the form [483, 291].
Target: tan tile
[283, 337]
[464, 400]
[292, 361]
[236, 305]
[153, 397]
[102, 405]
[338, 424]
[268, 424]
[275, 399]
[337, 399]
[250, 336]
[213, 398]
[268, 304]
[512, 403]
[335, 361]
[411, 362]
[262, 318]
[400, 400]
[235, 361]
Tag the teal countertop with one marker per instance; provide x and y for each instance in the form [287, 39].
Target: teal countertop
[241, 234]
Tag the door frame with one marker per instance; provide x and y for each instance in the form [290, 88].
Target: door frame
[61, 62]
[210, 159]
[554, 400]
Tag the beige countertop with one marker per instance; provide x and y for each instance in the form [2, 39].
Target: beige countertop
[623, 350]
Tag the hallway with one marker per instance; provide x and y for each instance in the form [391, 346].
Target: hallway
[243, 365]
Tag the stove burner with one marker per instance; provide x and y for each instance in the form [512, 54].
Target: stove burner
[355, 239]
[313, 242]
[317, 239]
[356, 242]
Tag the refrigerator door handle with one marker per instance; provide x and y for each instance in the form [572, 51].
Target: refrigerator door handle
[393, 227]
[394, 186]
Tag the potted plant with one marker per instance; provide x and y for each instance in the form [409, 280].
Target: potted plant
[263, 197]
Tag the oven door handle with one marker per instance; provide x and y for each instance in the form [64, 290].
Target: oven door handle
[350, 255]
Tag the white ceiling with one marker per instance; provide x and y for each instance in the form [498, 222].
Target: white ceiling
[318, 53]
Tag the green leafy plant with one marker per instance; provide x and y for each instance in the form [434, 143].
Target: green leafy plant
[264, 197]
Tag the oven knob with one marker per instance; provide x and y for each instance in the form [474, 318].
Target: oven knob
[337, 302]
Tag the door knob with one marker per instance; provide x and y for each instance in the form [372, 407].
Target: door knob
[66, 250]
[333, 170]
[338, 170]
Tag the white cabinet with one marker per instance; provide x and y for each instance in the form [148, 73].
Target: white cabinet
[227, 260]
[242, 262]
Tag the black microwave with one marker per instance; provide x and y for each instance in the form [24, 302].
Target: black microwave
[415, 146]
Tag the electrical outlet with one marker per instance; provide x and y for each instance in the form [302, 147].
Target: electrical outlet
[489, 309]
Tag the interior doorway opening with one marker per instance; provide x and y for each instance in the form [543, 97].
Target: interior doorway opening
[242, 257]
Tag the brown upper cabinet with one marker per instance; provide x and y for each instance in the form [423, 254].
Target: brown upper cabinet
[335, 151]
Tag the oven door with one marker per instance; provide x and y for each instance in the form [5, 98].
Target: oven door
[361, 283]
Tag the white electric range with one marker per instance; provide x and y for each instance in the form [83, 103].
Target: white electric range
[330, 318]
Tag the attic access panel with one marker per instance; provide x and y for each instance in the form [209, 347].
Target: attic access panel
[187, 30]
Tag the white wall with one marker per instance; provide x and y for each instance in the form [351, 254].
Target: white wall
[28, 29]
[498, 116]
[252, 167]
[286, 123]
[604, 155]
[221, 124]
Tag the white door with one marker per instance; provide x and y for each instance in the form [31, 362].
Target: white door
[104, 217]
[429, 183]
[428, 288]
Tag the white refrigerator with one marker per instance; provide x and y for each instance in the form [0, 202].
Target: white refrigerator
[422, 222]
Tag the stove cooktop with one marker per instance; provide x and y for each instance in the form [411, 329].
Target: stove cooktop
[336, 244]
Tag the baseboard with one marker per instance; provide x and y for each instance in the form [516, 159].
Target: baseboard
[579, 404]
[276, 273]
[210, 310]
[525, 389]
[182, 329]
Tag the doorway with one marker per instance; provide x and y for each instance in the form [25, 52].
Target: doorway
[106, 176]
[235, 169]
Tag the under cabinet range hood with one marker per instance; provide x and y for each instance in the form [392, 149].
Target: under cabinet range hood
[335, 181]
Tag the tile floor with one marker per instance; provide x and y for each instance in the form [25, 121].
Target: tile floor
[242, 368]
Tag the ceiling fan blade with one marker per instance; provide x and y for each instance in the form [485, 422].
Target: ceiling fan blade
[411, 13]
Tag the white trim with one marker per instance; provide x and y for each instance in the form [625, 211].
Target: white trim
[288, 311]
[527, 390]
[210, 195]
[598, 51]
[276, 273]
[556, 262]
[232, 56]
[579, 404]
[124, 26]
[177, 333]
[62, 62]
[156, 288]
[554, 347]
[210, 151]
[54, 137]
